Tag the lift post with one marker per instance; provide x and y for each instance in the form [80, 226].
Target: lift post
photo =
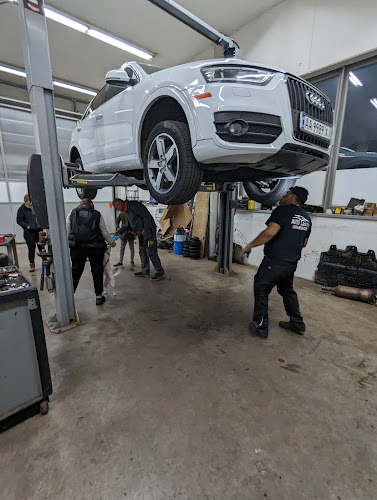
[40, 87]
[225, 228]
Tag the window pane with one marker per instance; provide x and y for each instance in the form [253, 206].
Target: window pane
[97, 101]
[315, 182]
[357, 163]
[113, 90]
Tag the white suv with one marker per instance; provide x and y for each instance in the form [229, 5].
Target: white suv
[217, 121]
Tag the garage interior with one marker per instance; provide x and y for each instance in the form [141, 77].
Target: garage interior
[162, 393]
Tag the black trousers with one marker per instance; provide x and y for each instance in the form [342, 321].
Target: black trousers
[275, 273]
[31, 238]
[95, 256]
[148, 252]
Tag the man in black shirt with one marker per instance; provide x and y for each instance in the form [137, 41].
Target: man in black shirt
[287, 233]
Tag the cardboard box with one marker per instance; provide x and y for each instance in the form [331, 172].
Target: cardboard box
[369, 209]
[173, 217]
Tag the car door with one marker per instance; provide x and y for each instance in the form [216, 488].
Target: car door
[114, 130]
[87, 130]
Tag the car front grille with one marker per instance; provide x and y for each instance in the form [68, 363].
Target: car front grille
[262, 128]
[297, 90]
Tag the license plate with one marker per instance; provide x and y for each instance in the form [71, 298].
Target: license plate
[314, 127]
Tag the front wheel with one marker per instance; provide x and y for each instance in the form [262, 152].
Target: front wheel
[268, 192]
[172, 174]
[83, 193]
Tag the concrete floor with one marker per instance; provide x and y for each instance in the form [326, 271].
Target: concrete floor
[163, 394]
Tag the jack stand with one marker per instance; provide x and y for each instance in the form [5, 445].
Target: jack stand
[225, 228]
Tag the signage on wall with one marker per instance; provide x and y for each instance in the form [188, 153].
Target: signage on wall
[34, 5]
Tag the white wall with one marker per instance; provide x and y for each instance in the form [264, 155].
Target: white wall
[303, 36]
[326, 231]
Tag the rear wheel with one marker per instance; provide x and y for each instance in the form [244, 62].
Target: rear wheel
[83, 193]
[172, 174]
[268, 192]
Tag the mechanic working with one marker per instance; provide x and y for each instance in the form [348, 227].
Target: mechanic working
[143, 224]
[287, 233]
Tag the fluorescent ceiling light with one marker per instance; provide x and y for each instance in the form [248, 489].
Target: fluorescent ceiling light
[55, 16]
[354, 80]
[67, 86]
[374, 102]
[13, 71]
[73, 87]
[118, 43]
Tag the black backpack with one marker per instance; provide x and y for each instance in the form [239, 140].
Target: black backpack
[85, 224]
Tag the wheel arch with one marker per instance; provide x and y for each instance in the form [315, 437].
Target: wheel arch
[168, 104]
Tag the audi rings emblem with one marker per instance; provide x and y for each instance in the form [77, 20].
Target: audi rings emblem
[315, 100]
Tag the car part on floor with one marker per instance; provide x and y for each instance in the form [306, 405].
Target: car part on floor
[352, 293]
[347, 267]
[171, 171]
[268, 192]
[25, 379]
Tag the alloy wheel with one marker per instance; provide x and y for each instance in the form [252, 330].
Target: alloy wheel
[163, 163]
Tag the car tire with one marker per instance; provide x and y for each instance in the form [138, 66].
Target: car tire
[83, 193]
[172, 174]
[271, 197]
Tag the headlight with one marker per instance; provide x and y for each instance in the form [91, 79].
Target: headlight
[237, 74]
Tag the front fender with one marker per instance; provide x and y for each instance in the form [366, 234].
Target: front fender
[175, 93]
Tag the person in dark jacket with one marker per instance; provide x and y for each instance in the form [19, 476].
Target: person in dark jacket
[287, 233]
[127, 236]
[143, 224]
[88, 239]
[27, 220]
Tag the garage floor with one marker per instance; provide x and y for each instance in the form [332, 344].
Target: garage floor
[163, 395]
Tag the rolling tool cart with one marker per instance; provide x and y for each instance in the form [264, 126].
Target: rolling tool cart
[25, 380]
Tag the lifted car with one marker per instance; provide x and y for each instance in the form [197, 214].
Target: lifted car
[218, 120]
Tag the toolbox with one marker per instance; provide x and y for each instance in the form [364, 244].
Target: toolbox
[25, 380]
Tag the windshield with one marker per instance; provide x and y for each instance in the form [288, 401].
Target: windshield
[149, 68]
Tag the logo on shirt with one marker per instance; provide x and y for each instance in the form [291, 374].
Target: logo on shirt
[300, 222]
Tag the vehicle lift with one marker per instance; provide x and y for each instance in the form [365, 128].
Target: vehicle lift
[40, 87]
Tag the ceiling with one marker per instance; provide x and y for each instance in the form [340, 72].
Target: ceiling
[79, 59]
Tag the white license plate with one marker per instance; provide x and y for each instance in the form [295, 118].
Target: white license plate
[314, 127]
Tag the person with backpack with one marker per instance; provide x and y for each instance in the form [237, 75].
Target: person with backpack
[27, 220]
[87, 237]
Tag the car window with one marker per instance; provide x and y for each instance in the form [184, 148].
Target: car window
[98, 100]
[113, 90]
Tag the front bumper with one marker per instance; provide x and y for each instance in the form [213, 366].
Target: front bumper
[272, 106]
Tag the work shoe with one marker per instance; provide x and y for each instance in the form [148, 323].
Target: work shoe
[254, 330]
[288, 325]
[100, 300]
[157, 277]
[32, 267]
[119, 264]
[140, 274]
[132, 266]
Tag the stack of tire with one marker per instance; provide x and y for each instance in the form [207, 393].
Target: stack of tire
[186, 249]
[194, 248]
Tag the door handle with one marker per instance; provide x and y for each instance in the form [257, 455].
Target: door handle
[78, 129]
[99, 116]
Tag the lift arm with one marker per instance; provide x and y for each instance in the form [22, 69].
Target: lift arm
[231, 48]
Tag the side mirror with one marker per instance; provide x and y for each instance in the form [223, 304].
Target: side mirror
[117, 77]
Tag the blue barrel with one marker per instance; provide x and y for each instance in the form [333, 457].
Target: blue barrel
[179, 239]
